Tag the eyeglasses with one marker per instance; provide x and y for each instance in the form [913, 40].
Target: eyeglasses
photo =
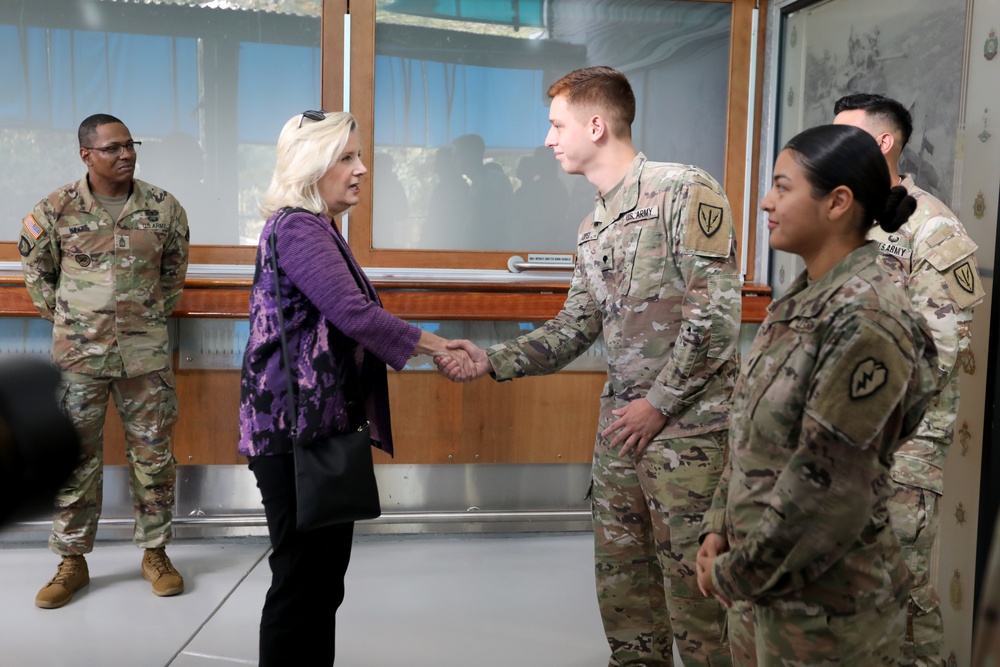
[311, 115]
[114, 150]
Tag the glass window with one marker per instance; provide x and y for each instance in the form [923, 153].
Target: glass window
[205, 88]
[832, 49]
[460, 111]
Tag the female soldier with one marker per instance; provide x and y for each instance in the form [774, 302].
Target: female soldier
[839, 373]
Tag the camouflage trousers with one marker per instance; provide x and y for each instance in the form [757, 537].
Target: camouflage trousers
[914, 515]
[647, 515]
[768, 637]
[147, 406]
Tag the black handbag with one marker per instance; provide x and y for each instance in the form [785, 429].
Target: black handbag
[335, 474]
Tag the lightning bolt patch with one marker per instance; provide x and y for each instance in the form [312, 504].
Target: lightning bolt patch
[867, 378]
[709, 218]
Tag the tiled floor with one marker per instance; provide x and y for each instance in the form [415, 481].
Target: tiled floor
[472, 601]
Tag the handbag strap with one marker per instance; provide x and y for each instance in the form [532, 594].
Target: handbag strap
[293, 414]
[292, 388]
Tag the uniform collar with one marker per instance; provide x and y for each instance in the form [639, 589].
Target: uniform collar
[90, 201]
[624, 198]
[805, 300]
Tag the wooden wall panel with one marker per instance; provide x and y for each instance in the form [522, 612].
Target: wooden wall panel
[426, 418]
[207, 429]
[532, 420]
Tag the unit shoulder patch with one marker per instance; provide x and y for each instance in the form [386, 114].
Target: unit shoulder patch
[708, 226]
[963, 283]
[859, 386]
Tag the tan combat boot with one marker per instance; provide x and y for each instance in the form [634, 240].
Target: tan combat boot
[71, 576]
[158, 570]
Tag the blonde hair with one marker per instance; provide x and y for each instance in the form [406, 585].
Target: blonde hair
[304, 155]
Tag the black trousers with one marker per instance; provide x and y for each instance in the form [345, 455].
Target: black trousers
[298, 623]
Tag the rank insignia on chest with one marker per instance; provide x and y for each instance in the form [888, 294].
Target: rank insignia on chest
[709, 218]
[867, 378]
[607, 259]
[122, 243]
[642, 214]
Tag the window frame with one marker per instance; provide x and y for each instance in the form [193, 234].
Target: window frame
[362, 86]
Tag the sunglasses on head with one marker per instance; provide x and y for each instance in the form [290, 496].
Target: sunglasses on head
[311, 115]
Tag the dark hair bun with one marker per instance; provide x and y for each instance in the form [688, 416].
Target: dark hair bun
[899, 206]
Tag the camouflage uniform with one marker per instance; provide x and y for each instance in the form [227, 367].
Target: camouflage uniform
[839, 373]
[935, 259]
[656, 273]
[108, 287]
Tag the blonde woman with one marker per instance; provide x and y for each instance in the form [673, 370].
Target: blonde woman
[339, 341]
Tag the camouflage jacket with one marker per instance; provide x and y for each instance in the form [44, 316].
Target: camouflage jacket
[656, 273]
[935, 257]
[840, 372]
[108, 287]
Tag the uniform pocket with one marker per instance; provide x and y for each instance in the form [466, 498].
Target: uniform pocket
[647, 256]
[726, 303]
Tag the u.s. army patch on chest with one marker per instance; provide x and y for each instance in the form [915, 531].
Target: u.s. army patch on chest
[647, 213]
[895, 250]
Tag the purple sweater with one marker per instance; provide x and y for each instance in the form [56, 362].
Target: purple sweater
[339, 341]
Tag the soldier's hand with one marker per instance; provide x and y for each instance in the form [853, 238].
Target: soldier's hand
[466, 361]
[712, 546]
[637, 424]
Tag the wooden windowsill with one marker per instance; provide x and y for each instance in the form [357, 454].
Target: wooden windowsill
[227, 297]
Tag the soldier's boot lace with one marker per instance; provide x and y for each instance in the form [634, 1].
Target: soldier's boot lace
[159, 571]
[71, 575]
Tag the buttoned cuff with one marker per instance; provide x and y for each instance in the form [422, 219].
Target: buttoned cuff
[713, 521]
[664, 402]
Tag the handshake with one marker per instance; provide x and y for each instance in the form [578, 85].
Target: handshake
[458, 360]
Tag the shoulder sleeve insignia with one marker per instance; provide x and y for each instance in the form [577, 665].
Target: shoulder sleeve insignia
[708, 224]
[868, 377]
[32, 226]
[965, 278]
[709, 218]
[953, 257]
[964, 285]
[860, 384]
[24, 246]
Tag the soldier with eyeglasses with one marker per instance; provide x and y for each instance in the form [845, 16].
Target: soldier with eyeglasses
[104, 260]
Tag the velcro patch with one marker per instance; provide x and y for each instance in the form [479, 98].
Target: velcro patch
[963, 283]
[708, 226]
[24, 246]
[860, 384]
[33, 227]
